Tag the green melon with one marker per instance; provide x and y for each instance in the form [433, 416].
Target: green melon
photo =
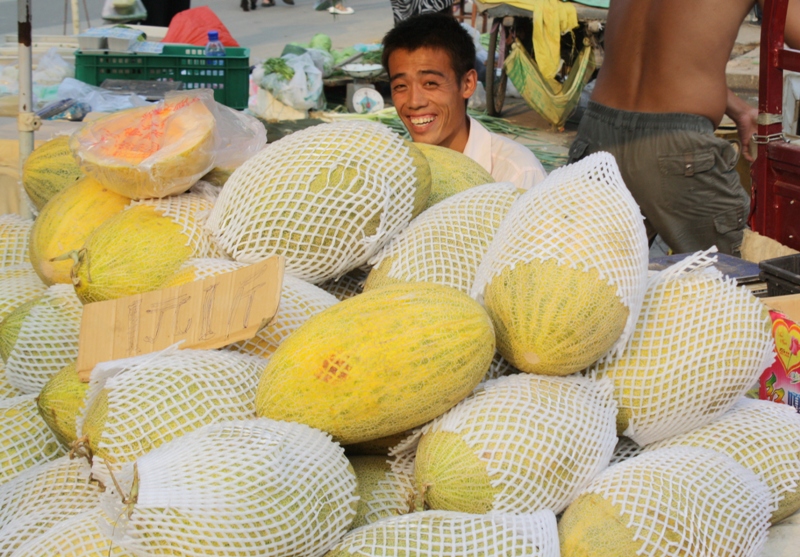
[49, 169]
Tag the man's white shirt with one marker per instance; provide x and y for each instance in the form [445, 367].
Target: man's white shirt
[503, 158]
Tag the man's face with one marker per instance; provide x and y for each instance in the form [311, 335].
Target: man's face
[429, 98]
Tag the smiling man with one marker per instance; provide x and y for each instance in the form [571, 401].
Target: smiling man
[430, 60]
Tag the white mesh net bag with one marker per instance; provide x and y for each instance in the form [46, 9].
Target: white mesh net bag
[18, 285]
[674, 501]
[696, 329]
[206, 190]
[446, 534]
[760, 435]
[564, 277]
[624, 450]
[77, 536]
[138, 404]
[190, 211]
[14, 234]
[499, 367]
[382, 493]
[42, 496]
[202, 268]
[25, 439]
[47, 341]
[446, 243]
[7, 390]
[521, 444]
[348, 285]
[244, 488]
[327, 198]
[300, 300]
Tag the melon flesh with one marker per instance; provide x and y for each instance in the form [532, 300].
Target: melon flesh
[149, 151]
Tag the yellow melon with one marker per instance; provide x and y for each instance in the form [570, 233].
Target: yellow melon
[64, 224]
[379, 363]
[552, 319]
[49, 169]
[61, 401]
[451, 172]
[135, 251]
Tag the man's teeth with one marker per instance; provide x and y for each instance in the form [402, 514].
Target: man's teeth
[423, 120]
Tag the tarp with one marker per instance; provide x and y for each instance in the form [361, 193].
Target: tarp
[553, 100]
[551, 19]
[192, 27]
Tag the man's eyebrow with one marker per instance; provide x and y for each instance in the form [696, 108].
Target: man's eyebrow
[423, 72]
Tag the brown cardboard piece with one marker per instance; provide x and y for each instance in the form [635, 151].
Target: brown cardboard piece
[203, 314]
[787, 305]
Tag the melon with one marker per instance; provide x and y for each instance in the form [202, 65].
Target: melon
[14, 234]
[672, 502]
[518, 444]
[64, 224]
[761, 436]
[25, 439]
[11, 325]
[40, 339]
[565, 274]
[448, 534]
[446, 243]
[451, 172]
[235, 489]
[50, 168]
[673, 349]
[18, 284]
[75, 536]
[61, 401]
[327, 198]
[379, 363]
[41, 497]
[149, 151]
[154, 399]
[142, 248]
[381, 493]
[552, 319]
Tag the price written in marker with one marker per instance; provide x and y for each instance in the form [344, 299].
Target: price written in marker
[203, 314]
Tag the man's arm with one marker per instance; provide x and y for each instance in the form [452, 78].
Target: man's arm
[792, 31]
[745, 117]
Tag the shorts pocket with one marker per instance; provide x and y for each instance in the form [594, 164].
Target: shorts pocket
[730, 220]
[578, 150]
[687, 164]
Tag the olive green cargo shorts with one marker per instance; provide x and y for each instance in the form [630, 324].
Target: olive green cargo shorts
[682, 176]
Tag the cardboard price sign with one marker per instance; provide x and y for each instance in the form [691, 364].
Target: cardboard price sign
[204, 314]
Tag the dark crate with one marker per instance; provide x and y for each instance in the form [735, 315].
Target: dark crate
[782, 275]
[228, 76]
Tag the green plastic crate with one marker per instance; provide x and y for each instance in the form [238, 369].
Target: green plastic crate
[228, 76]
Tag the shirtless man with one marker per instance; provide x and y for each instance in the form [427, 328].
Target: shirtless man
[430, 60]
[659, 97]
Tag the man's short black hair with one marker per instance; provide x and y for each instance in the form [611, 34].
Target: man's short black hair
[434, 31]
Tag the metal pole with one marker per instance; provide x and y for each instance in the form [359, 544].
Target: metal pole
[27, 121]
[76, 17]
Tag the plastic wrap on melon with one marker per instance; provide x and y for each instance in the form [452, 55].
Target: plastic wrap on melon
[163, 149]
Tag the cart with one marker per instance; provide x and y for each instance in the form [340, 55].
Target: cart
[776, 172]
[509, 22]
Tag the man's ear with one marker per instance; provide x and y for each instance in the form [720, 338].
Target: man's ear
[468, 83]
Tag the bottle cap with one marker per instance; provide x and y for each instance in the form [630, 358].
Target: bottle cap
[213, 35]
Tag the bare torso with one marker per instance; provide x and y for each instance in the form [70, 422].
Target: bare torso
[669, 55]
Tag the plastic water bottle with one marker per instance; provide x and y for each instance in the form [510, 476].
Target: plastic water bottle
[214, 48]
